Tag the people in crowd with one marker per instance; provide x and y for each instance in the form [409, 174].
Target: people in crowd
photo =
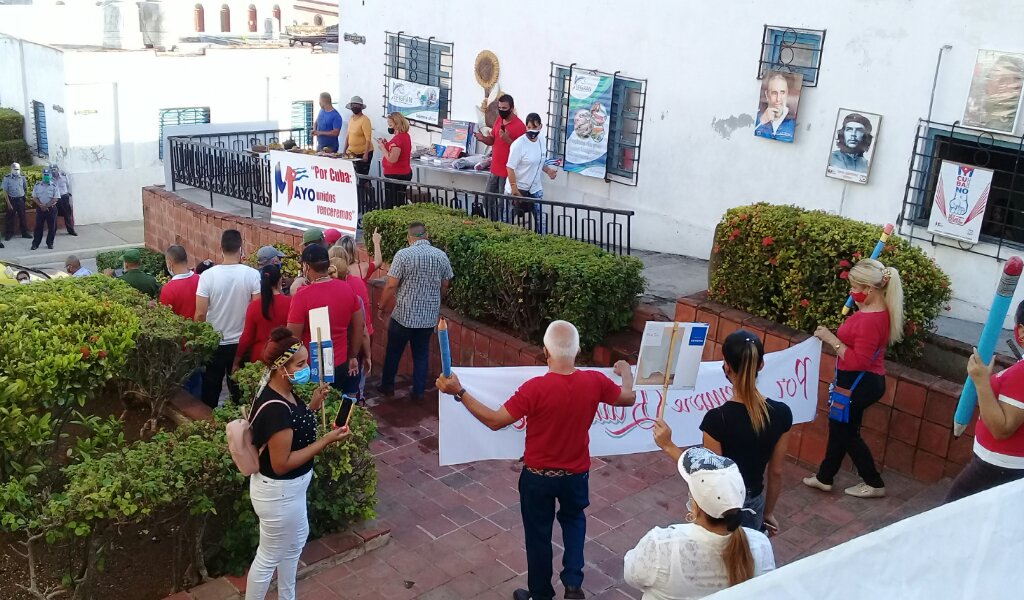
[180, 294]
[45, 196]
[23, 277]
[713, 550]
[328, 125]
[73, 266]
[999, 435]
[313, 235]
[860, 344]
[346, 316]
[359, 143]
[360, 268]
[331, 237]
[525, 169]
[559, 408]
[15, 188]
[65, 208]
[507, 129]
[395, 162]
[203, 266]
[268, 255]
[284, 428]
[264, 315]
[339, 269]
[750, 429]
[417, 282]
[134, 276]
[222, 298]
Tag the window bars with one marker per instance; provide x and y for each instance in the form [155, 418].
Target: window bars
[302, 118]
[420, 60]
[181, 116]
[792, 50]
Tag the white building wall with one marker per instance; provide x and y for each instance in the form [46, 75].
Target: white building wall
[700, 60]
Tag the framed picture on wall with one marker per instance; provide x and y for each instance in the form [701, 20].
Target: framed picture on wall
[853, 145]
[993, 102]
[779, 102]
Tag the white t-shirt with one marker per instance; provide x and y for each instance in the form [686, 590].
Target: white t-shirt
[526, 158]
[685, 561]
[229, 289]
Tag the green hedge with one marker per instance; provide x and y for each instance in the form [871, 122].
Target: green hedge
[789, 265]
[15, 151]
[12, 125]
[289, 264]
[153, 262]
[521, 279]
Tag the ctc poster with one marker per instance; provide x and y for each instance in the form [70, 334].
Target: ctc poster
[313, 191]
[586, 139]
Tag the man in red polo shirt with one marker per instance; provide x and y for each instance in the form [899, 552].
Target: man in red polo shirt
[180, 294]
[559, 408]
[507, 128]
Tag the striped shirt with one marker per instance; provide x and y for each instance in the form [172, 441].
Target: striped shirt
[420, 269]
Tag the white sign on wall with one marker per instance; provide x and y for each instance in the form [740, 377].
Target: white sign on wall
[789, 376]
[313, 191]
[961, 196]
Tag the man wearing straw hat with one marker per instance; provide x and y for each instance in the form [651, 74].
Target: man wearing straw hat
[359, 142]
[559, 408]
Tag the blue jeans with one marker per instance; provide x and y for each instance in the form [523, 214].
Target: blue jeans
[419, 338]
[537, 496]
[194, 383]
[755, 503]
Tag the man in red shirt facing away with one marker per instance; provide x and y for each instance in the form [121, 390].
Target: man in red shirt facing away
[180, 294]
[506, 130]
[559, 408]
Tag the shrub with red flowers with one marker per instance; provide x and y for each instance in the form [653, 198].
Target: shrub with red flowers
[791, 265]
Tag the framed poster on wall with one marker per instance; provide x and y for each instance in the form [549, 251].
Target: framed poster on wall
[993, 102]
[853, 145]
[961, 196]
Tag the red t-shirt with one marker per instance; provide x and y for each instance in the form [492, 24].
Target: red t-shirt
[341, 303]
[360, 289]
[257, 327]
[559, 411]
[1008, 387]
[180, 295]
[499, 156]
[864, 333]
[401, 166]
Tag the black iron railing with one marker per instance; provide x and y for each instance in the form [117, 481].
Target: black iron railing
[234, 173]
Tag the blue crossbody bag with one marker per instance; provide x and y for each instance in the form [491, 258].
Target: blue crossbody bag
[839, 398]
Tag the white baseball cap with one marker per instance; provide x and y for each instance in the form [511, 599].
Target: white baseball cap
[15, 167]
[715, 482]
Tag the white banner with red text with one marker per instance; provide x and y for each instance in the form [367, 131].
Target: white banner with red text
[313, 191]
[789, 376]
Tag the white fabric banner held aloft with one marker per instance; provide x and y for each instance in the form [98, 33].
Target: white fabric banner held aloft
[789, 376]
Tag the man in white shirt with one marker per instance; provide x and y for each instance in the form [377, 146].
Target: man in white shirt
[74, 267]
[222, 298]
[525, 167]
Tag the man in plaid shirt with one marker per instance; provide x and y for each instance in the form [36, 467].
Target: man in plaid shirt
[417, 281]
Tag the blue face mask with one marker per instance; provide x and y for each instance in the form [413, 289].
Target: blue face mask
[299, 377]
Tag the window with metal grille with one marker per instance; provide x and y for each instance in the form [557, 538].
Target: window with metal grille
[302, 118]
[39, 120]
[181, 116]
[792, 50]
[1003, 221]
[625, 128]
[420, 60]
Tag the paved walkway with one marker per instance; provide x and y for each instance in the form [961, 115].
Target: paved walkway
[457, 533]
[91, 240]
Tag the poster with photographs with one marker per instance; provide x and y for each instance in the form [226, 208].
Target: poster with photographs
[670, 355]
[780, 99]
[993, 102]
[853, 145]
[586, 138]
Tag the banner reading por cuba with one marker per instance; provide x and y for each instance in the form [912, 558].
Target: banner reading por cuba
[313, 191]
[416, 102]
[789, 376]
[586, 138]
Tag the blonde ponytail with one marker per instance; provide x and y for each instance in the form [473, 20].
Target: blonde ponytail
[870, 272]
[739, 561]
[338, 269]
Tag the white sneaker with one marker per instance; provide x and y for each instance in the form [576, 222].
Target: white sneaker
[813, 482]
[863, 490]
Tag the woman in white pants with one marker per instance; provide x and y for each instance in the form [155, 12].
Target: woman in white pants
[284, 429]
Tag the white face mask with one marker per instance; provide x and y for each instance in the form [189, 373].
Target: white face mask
[16, 172]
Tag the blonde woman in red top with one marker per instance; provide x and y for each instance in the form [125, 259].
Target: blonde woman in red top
[396, 160]
[860, 345]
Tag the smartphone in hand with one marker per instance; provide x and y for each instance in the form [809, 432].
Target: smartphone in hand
[345, 412]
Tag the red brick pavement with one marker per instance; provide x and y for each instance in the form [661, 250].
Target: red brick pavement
[456, 531]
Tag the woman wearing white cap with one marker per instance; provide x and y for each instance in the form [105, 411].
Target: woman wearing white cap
[711, 551]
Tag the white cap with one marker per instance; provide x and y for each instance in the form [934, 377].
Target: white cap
[15, 167]
[715, 482]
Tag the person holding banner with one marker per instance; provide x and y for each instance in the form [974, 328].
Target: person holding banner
[559, 408]
[860, 368]
[712, 551]
[999, 436]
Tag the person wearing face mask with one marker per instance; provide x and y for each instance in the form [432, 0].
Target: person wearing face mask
[284, 431]
[395, 162]
[860, 345]
[525, 166]
[328, 125]
[23, 277]
[507, 129]
[712, 551]
[359, 142]
[15, 188]
[64, 206]
[45, 196]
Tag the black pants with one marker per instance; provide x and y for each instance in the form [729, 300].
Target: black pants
[217, 368]
[66, 210]
[47, 218]
[365, 188]
[537, 496]
[979, 476]
[395, 193]
[844, 438]
[17, 209]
